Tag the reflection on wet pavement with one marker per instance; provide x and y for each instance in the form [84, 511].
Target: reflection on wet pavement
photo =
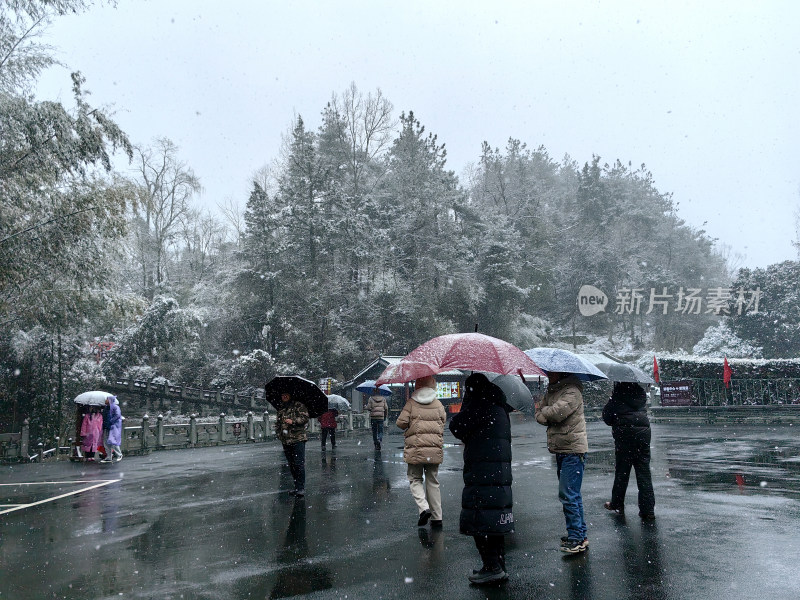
[218, 524]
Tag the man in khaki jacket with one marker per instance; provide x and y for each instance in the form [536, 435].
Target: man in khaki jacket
[422, 419]
[562, 411]
[378, 411]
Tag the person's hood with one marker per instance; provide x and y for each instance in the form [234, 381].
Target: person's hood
[424, 395]
[562, 383]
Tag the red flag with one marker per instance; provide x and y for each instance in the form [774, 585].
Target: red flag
[655, 370]
[726, 373]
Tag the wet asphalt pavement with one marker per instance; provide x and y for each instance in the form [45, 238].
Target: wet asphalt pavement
[217, 523]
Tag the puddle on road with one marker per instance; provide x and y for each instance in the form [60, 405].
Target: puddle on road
[763, 462]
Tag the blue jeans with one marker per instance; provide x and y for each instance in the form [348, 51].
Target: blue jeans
[569, 468]
[377, 431]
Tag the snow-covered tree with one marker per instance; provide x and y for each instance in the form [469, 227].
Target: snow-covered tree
[775, 326]
[720, 341]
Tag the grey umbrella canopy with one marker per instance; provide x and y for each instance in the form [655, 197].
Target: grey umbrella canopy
[338, 402]
[556, 360]
[517, 394]
[624, 372]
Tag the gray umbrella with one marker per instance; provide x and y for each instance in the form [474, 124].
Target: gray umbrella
[624, 372]
[338, 402]
[517, 394]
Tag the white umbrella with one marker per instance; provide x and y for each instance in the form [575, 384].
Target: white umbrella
[556, 360]
[94, 398]
[338, 402]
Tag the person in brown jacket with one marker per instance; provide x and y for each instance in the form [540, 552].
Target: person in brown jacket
[562, 411]
[422, 419]
[378, 411]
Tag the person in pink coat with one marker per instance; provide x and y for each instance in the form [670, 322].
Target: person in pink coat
[91, 432]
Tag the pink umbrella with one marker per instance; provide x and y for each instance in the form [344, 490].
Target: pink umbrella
[465, 351]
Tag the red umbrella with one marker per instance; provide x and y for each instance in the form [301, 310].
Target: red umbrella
[465, 351]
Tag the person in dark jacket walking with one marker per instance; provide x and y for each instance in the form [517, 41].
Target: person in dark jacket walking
[290, 428]
[484, 427]
[625, 412]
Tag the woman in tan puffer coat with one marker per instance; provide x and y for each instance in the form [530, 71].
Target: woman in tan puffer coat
[422, 419]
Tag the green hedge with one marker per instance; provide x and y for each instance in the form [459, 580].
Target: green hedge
[672, 368]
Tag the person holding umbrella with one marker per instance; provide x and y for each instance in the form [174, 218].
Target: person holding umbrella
[626, 413]
[378, 412]
[422, 419]
[327, 425]
[112, 430]
[561, 410]
[290, 428]
[486, 502]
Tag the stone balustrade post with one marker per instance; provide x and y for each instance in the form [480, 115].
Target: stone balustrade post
[251, 428]
[160, 431]
[145, 432]
[193, 430]
[350, 421]
[222, 436]
[25, 440]
[266, 425]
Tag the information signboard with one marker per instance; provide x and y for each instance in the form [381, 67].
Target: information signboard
[448, 389]
[676, 393]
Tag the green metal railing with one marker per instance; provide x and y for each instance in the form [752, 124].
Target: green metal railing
[745, 392]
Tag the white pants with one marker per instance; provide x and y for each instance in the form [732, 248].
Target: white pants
[427, 495]
[111, 450]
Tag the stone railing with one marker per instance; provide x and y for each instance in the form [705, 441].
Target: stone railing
[155, 434]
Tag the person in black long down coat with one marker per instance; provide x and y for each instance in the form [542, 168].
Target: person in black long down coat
[626, 413]
[484, 427]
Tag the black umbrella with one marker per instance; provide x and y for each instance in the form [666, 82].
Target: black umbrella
[624, 372]
[300, 389]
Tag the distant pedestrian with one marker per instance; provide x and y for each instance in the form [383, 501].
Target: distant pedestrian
[626, 413]
[327, 426]
[422, 420]
[112, 430]
[484, 427]
[91, 432]
[378, 411]
[562, 411]
[290, 427]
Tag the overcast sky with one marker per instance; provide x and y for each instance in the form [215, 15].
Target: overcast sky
[704, 93]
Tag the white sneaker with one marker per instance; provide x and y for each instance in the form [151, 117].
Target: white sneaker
[119, 458]
[106, 460]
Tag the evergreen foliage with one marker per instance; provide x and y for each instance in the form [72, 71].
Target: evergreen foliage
[364, 243]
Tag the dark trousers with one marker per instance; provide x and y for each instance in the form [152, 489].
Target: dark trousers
[323, 435]
[377, 431]
[632, 449]
[492, 549]
[296, 457]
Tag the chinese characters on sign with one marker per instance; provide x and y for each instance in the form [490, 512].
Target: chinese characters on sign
[326, 384]
[676, 393]
[686, 301]
[447, 389]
